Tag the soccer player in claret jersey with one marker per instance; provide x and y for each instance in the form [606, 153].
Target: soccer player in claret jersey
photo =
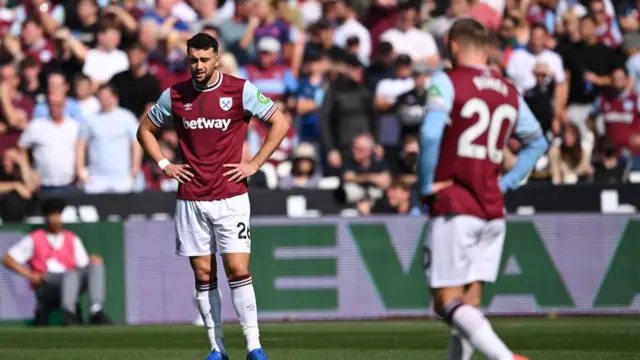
[471, 113]
[210, 113]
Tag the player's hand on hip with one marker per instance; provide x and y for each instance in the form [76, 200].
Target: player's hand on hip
[239, 172]
[437, 186]
[179, 172]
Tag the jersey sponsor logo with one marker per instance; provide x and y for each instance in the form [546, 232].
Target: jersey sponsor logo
[204, 123]
[188, 106]
[618, 117]
[261, 98]
[226, 103]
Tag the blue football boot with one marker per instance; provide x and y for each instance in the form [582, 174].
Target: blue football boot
[225, 356]
[257, 354]
[215, 355]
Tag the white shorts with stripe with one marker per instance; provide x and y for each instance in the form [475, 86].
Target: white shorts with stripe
[208, 227]
[463, 249]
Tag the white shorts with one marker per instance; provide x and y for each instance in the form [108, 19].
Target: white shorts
[207, 227]
[463, 249]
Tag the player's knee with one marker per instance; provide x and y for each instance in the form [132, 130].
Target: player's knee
[237, 270]
[95, 260]
[203, 273]
[446, 300]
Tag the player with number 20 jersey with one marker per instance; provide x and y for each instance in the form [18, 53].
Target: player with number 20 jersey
[471, 114]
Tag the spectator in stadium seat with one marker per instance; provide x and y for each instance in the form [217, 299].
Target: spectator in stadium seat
[136, 87]
[163, 11]
[381, 66]
[346, 111]
[321, 41]
[365, 177]
[348, 27]
[311, 92]
[15, 193]
[237, 33]
[15, 107]
[58, 86]
[540, 98]
[388, 90]
[397, 201]
[271, 25]
[303, 170]
[86, 29]
[410, 104]
[34, 42]
[570, 157]
[407, 39]
[103, 61]
[31, 84]
[52, 142]
[109, 140]
[85, 95]
[57, 265]
[405, 168]
[609, 169]
[275, 81]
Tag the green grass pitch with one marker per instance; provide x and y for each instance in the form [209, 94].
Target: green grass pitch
[546, 339]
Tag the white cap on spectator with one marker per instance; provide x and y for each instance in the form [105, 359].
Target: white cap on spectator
[305, 150]
[269, 44]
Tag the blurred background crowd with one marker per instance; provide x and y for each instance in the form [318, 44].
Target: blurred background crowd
[77, 75]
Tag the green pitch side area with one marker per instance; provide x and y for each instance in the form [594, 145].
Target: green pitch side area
[548, 339]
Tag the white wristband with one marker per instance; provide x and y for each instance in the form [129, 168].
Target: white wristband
[163, 163]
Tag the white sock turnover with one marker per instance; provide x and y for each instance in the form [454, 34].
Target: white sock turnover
[474, 326]
[204, 295]
[244, 302]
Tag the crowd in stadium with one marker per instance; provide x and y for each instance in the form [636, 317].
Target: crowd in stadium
[77, 76]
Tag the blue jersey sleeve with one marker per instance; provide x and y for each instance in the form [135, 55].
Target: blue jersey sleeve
[161, 111]
[255, 103]
[441, 93]
[529, 133]
[439, 104]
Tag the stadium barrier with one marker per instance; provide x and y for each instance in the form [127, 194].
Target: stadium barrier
[340, 268]
[534, 198]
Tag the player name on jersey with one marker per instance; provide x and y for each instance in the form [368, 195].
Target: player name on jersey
[490, 83]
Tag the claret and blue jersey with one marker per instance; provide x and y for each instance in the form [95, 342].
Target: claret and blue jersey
[470, 115]
[211, 124]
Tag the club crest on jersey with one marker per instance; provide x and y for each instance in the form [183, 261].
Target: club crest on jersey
[226, 103]
[188, 106]
[628, 105]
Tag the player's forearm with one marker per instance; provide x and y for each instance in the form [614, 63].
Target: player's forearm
[527, 159]
[11, 264]
[430, 139]
[279, 128]
[148, 141]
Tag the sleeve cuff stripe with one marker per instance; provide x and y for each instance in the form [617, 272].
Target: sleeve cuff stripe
[270, 113]
[153, 120]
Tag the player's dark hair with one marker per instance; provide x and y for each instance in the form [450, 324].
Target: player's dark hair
[469, 31]
[202, 41]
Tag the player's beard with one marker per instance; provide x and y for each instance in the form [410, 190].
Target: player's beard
[209, 76]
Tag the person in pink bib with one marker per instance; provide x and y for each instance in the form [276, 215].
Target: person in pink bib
[57, 265]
